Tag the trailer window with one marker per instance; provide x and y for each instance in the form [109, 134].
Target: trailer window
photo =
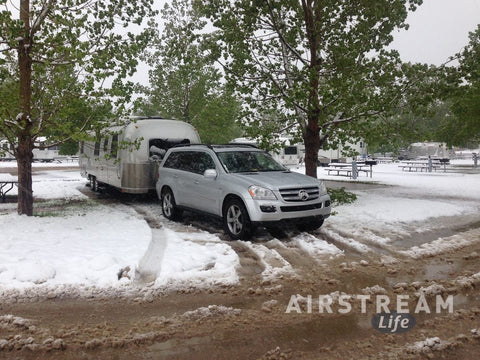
[105, 145]
[114, 146]
[158, 147]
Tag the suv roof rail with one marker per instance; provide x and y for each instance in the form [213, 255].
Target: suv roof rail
[212, 146]
[191, 144]
[246, 145]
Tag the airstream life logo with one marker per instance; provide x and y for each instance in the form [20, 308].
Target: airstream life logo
[393, 323]
[384, 320]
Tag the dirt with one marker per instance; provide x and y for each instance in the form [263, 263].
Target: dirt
[253, 320]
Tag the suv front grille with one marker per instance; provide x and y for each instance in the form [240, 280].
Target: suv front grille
[301, 207]
[294, 194]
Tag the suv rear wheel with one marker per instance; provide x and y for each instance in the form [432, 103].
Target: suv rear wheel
[169, 207]
[236, 220]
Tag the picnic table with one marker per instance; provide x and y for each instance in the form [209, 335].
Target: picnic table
[7, 182]
[345, 169]
[415, 165]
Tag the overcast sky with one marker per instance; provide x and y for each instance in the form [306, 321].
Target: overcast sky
[438, 30]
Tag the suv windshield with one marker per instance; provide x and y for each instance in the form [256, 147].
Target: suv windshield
[248, 161]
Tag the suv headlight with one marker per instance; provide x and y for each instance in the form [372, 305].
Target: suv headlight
[322, 188]
[261, 193]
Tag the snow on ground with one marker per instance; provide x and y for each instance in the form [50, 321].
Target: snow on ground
[315, 247]
[175, 259]
[381, 216]
[443, 245]
[87, 247]
[90, 244]
[51, 184]
[274, 264]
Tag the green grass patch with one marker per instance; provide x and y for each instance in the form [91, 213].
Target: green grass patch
[341, 196]
[63, 208]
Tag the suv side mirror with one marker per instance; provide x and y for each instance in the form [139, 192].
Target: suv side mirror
[210, 173]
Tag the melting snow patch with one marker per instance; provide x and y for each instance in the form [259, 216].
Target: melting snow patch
[443, 245]
[374, 290]
[351, 243]
[210, 311]
[275, 265]
[468, 282]
[314, 246]
[427, 346]
[185, 263]
[433, 289]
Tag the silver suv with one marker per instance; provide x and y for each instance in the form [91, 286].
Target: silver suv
[242, 185]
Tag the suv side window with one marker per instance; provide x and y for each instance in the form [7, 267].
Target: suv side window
[200, 162]
[182, 160]
[186, 161]
[191, 161]
[172, 161]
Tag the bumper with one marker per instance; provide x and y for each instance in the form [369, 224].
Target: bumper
[293, 212]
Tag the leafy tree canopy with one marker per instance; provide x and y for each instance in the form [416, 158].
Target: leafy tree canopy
[56, 52]
[464, 126]
[323, 65]
[185, 84]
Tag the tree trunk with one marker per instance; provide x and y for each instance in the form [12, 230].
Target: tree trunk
[311, 139]
[23, 152]
[24, 164]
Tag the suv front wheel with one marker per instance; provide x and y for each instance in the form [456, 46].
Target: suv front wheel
[236, 220]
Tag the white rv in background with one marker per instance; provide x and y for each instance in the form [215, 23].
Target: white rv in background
[290, 155]
[132, 169]
[294, 153]
[425, 149]
[338, 155]
[41, 152]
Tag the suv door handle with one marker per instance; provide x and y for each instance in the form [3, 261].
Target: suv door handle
[196, 182]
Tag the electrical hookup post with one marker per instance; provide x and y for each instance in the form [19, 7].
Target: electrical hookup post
[354, 169]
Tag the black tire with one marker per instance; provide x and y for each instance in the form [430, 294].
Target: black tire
[236, 220]
[169, 206]
[93, 183]
[310, 226]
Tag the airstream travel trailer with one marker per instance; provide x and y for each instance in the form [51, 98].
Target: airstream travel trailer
[127, 157]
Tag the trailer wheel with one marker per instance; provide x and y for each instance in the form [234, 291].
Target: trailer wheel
[169, 207]
[93, 183]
